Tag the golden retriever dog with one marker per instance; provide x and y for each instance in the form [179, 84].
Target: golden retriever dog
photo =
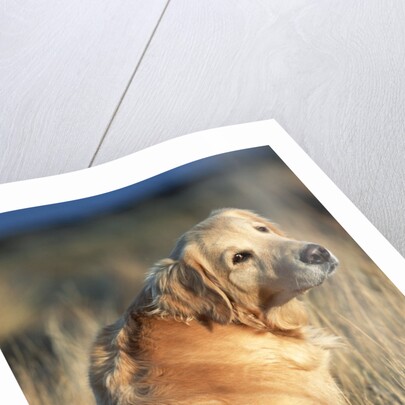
[219, 322]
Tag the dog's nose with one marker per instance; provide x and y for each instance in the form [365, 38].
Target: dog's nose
[314, 254]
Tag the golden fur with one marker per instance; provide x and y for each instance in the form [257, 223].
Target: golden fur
[219, 323]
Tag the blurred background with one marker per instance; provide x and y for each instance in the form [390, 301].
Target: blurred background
[68, 269]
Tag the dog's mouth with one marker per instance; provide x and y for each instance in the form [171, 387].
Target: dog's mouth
[307, 285]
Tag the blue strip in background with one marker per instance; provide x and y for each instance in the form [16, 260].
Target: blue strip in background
[32, 219]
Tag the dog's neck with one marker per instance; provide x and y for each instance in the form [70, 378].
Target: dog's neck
[288, 319]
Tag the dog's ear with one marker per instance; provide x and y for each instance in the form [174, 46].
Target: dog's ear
[184, 292]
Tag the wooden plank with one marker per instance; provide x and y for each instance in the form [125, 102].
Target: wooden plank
[63, 67]
[330, 72]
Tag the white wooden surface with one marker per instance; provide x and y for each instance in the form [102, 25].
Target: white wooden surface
[74, 94]
[63, 68]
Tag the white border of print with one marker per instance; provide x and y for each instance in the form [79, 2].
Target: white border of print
[186, 149]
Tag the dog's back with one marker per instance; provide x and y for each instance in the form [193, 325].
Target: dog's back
[169, 362]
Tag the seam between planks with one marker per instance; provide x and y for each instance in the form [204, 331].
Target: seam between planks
[129, 84]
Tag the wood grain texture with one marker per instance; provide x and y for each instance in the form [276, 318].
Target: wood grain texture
[63, 68]
[330, 72]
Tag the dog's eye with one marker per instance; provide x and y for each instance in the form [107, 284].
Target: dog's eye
[262, 229]
[241, 257]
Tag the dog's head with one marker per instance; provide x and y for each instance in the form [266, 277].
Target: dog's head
[236, 264]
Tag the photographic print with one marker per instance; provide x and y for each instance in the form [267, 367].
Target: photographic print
[221, 281]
